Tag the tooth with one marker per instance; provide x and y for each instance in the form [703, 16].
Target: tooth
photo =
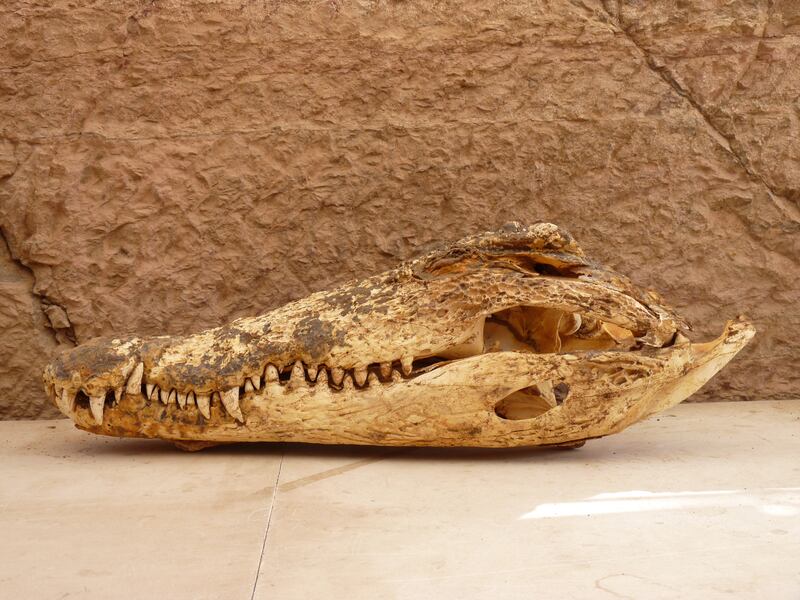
[148, 388]
[248, 386]
[230, 401]
[347, 384]
[181, 399]
[204, 405]
[190, 399]
[322, 378]
[163, 395]
[298, 375]
[171, 397]
[386, 370]
[256, 379]
[372, 379]
[336, 375]
[396, 377]
[271, 373]
[96, 405]
[312, 373]
[134, 384]
[67, 401]
[406, 362]
[360, 375]
[117, 395]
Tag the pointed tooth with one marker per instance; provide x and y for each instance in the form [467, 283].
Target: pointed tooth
[67, 401]
[322, 378]
[396, 377]
[347, 383]
[163, 396]
[312, 373]
[256, 379]
[204, 405]
[386, 370]
[96, 404]
[336, 375]
[149, 389]
[271, 373]
[230, 400]
[248, 386]
[297, 377]
[190, 399]
[172, 397]
[134, 384]
[372, 379]
[407, 363]
[117, 396]
[181, 399]
[360, 374]
[298, 372]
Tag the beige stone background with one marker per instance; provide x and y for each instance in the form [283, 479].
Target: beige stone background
[169, 165]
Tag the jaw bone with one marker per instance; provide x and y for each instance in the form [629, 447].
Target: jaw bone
[502, 339]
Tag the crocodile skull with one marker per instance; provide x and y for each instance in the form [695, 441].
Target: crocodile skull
[507, 338]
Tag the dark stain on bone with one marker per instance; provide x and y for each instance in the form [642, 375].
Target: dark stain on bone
[317, 337]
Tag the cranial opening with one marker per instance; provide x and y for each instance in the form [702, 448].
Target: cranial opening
[533, 329]
[532, 401]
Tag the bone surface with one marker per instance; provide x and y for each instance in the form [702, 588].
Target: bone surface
[507, 338]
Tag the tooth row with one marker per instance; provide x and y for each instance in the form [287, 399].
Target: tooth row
[300, 375]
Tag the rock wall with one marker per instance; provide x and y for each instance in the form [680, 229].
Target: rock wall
[169, 165]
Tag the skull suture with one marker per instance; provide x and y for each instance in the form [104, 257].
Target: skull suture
[507, 338]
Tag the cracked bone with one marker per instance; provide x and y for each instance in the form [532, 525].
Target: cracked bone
[506, 338]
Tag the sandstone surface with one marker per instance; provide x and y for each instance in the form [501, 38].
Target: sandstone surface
[167, 166]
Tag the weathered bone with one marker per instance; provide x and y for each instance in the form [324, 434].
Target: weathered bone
[507, 338]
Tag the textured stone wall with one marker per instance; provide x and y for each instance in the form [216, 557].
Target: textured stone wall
[167, 166]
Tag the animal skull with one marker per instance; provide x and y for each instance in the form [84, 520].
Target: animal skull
[507, 338]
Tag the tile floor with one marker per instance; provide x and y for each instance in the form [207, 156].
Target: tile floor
[700, 502]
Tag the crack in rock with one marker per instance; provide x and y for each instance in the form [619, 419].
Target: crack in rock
[728, 142]
[55, 314]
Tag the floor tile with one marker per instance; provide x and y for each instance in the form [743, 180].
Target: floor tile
[700, 502]
[84, 516]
